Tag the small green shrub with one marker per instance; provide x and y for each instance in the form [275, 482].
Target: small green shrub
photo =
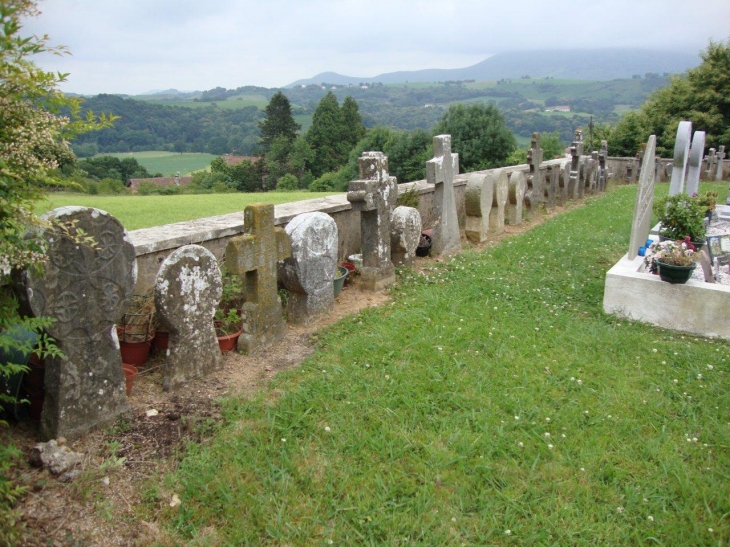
[287, 183]
[681, 215]
[409, 198]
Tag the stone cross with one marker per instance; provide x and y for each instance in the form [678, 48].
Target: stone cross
[641, 223]
[440, 171]
[478, 205]
[188, 289]
[552, 174]
[375, 196]
[516, 197]
[695, 163]
[720, 158]
[405, 234]
[499, 200]
[535, 193]
[254, 255]
[711, 160]
[592, 173]
[84, 288]
[576, 151]
[681, 153]
[602, 167]
[309, 272]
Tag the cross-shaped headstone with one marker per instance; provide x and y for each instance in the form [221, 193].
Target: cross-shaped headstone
[576, 151]
[254, 255]
[641, 222]
[681, 156]
[440, 172]
[375, 196]
[83, 287]
[602, 167]
[720, 158]
[695, 163]
[535, 193]
[711, 163]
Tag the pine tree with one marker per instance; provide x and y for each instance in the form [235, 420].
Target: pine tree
[279, 122]
[352, 125]
[326, 137]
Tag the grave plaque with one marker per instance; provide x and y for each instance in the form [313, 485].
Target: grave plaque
[375, 196]
[405, 233]
[187, 292]
[254, 255]
[516, 197]
[84, 288]
[440, 171]
[681, 155]
[644, 199]
[478, 205]
[499, 200]
[719, 247]
[695, 163]
[535, 192]
[309, 272]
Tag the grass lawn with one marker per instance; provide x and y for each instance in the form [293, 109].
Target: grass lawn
[136, 212]
[169, 163]
[492, 403]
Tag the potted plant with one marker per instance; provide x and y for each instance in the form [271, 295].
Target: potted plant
[681, 216]
[341, 273]
[424, 245]
[137, 329]
[227, 320]
[709, 202]
[674, 261]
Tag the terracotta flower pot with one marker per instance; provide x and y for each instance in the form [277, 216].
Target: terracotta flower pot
[161, 341]
[228, 343]
[130, 373]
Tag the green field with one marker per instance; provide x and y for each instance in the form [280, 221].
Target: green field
[136, 212]
[231, 103]
[168, 163]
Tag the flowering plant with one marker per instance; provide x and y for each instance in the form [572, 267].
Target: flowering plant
[674, 253]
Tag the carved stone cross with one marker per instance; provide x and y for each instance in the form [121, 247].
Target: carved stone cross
[375, 196]
[575, 189]
[602, 168]
[720, 157]
[440, 171]
[254, 255]
[535, 193]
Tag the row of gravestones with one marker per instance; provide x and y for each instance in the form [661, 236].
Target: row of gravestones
[85, 285]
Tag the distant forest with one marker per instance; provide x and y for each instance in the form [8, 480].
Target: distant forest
[213, 121]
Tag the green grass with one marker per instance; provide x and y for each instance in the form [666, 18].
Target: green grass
[169, 163]
[136, 212]
[492, 395]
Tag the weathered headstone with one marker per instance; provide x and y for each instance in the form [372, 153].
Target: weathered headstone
[575, 190]
[603, 167]
[711, 164]
[440, 172]
[561, 195]
[309, 272]
[695, 163]
[499, 200]
[188, 289]
[552, 175]
[516, 197]
[720, 165]
[641, 223]
[591, 181]
[535, 193]
[375, 196]
[405, 233]
[681, 153]
[478, 205]
[84, 288]
[254, 255]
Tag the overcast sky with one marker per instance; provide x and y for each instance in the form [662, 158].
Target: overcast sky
[134, 46]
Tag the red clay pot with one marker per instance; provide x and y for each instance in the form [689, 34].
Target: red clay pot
[161, 341]
[130, 373]
[228, 343]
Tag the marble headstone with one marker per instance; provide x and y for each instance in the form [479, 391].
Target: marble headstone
[440, 171]
[681, 156]
[641, 223]
[695, 163]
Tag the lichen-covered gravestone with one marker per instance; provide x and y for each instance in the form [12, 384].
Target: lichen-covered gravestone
[187, 292]
[255, 255]
[375, 196]
[602, 167]
[499, 200]
[561, 193]
[575, 188]
[309, 272]
[478, 205]
[681, 156]
[644, 200]
[516, 197]
[405, 233]
[84, 288]
[720, 164]
[711, 161]
[695, 163]
[550, 188]
[440, 172]
[535, 193]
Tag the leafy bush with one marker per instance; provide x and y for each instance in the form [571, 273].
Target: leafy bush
[681, 215]
[287, 183]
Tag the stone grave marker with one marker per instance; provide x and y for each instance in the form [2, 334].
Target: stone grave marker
[405, 233]
[478, 205]
[681, 155]
[641, 223]
[576, 151]
[592, 173]
[720, 158]
[561, 195]
[308, 274]
[254, 255]
[499, 200]
[84, 288]
[602, 167]
[711, 164]
[552, 175]
[695, 163]
[535, 192]
[188, 289]
[375, 196]
[516, 197]
[440, 171]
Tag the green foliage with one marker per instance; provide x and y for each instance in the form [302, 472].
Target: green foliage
[278, 122]
[288, 183]
[329, 182]
[102, 167]
[246, 176]
[681, 215]
[552, 146]
[327, 137]
[353, 128]
[409, 198]
[478, 135]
